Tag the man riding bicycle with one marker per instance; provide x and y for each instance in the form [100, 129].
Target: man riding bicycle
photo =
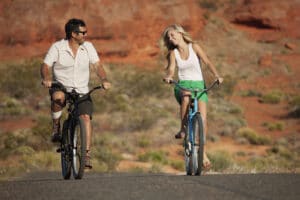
[70, 60]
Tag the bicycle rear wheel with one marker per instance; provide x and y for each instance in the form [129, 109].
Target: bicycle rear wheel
[79, 148]
[199, 144]
[65, 151]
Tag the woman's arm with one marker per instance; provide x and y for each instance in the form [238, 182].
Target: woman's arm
[171, 67]
[200, 53]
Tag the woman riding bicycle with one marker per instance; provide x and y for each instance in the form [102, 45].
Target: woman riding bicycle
[184, 53]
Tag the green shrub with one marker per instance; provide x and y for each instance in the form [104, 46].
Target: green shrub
[209, 4]
[41, 133]
[282, 152]
[11, 107]
[178, 164]
[28, 86]
[294, 107]
[104, 153]
[154, 156]
[143, 142]
[155, 168]
[226, 88]
[295, 101]
[253, 137]
[272, 97]
[276, 126]
[251, 93]
[220, 160]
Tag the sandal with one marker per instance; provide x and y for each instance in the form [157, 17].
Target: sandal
[88, 163]
[56, 137]
[180, 134]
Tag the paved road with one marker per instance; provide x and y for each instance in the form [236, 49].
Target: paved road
[47, 185]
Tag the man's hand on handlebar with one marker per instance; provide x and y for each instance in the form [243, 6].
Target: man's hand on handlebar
[47, 83]
[106, 85]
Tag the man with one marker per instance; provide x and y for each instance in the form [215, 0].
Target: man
[70, 60]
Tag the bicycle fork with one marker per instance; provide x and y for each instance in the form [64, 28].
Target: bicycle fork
[190, 141]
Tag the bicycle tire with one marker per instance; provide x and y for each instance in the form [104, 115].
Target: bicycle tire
[188, 159]
[188, 153]
[199, 144]
[79, 148]
[65, 151]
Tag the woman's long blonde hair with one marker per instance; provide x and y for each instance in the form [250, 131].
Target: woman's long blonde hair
[187, 38]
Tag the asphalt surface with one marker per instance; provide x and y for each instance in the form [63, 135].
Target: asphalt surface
[50, 185]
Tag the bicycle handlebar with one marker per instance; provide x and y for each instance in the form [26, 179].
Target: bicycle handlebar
[196, 90]
[61, 86]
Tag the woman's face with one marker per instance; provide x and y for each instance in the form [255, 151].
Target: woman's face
[174, 37]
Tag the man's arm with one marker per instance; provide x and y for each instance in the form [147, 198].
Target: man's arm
[101, 74]
[46, 81]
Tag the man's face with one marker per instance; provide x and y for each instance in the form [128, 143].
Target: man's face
[80, 35]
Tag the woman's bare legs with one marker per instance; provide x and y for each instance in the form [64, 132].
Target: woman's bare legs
[203, 110]
[183, 113]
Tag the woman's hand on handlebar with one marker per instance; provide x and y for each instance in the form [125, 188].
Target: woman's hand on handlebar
[219, 79]
[168, 80]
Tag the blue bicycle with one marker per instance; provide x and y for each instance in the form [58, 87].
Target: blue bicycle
[194, 139]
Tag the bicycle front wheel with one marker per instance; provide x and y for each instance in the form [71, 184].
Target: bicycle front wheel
[65, 151]
[199, 144]
[79, 148]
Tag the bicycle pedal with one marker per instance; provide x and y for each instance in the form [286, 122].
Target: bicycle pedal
[58, 150]
[187, 152]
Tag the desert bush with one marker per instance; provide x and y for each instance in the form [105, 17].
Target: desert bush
[41, 133]
[282, 151]
[136, 82]
[155, 168]
[177, 164]
[12, 141]
[271, 163]
[294, 105]
[276, 126]
[209, 4]
[251, 93]
[28, 86]
[11, 107]
[272, 97]
[41, 160]
[104, 153]
[226, 88]
[143, 142]
[253, 137]
[221, 160]
[154, 156]
[24, 150]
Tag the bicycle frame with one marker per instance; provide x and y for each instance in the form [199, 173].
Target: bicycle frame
[193, 109]
[71, 153]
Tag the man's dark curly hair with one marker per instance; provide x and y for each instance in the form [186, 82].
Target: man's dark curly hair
[73, 26]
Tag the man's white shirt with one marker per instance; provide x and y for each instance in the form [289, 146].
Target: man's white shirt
[72, 72]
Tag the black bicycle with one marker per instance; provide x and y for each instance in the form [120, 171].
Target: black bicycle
[73, 139]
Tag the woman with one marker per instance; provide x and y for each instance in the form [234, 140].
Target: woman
[186, 55]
